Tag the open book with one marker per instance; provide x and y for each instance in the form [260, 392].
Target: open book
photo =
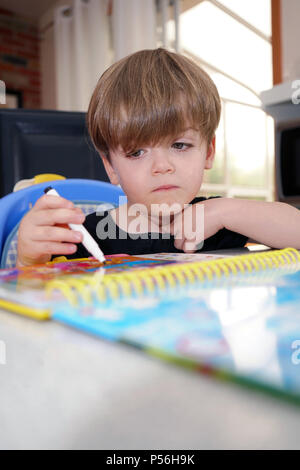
[234, 318]
[26, 290]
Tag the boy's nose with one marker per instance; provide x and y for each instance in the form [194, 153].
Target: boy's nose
[161, 162]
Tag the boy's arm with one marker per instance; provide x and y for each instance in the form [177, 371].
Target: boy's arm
[275, 224]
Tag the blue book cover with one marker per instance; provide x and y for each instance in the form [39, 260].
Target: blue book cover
[241, 327]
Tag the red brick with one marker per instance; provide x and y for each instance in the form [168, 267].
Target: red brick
[3, 11]
[35, 83]
[29, 90]
[28, 49]
[5, 50]
[33, 93]
[6, 40]
[7, 31]
[5, 66]
[27, 37]
[15, 43]
[32, 104]
[33, 47]
[34, 66]
[22, 41]
[33, 30]
[26, 55]
[31, 73]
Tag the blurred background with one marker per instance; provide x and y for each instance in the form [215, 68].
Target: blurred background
[52, 53]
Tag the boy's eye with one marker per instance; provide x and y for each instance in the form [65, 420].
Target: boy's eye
[181, 145]
[136, 154]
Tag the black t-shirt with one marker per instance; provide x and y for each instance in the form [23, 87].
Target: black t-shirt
[138, 244]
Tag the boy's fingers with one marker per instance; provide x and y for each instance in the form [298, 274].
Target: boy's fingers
[50, 217]
[178, 243]
[189, 246]
[78, 210]
[56, 248]
[57, 234]
[52, 202]
[186, 245]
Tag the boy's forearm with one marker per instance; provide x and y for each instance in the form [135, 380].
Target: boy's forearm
[275, 224]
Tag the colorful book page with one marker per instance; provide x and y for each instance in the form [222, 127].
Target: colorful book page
[248, 333]
[23, 290]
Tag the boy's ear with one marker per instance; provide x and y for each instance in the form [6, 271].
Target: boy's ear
[210, 154]
[113, 177]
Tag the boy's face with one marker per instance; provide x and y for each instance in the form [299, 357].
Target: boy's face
[168, 173]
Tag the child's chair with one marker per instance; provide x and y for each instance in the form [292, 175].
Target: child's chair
[89, 195]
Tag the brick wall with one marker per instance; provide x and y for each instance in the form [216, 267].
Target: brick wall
[20, 57]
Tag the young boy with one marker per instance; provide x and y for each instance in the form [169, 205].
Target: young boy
[152, 118]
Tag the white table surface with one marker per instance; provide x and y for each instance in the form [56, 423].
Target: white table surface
[63, 389]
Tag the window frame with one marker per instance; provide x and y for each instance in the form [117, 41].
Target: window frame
[227, 188]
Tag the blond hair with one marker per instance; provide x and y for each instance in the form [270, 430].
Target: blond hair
[148, 96]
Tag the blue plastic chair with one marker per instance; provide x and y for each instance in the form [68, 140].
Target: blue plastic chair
[82, 192]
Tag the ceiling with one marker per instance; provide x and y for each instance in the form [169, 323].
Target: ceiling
[31, 8]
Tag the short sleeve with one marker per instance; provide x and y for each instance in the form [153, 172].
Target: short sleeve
[224, 239]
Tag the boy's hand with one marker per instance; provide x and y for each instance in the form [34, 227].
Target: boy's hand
[43, 231]
[196, 223]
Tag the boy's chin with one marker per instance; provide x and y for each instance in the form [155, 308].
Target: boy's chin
[165, 210]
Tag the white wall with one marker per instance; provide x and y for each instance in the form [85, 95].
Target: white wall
[48, 76]
[290, 35]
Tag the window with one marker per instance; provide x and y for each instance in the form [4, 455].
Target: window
[231, 40]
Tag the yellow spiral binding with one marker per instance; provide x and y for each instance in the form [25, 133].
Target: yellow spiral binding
[148, 281]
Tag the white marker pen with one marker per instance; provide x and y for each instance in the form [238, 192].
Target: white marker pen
[88, 242]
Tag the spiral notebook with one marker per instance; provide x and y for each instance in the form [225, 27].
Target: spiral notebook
[25, 290]
[234, 318]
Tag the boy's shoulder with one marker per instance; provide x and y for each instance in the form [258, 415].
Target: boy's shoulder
[202, 198]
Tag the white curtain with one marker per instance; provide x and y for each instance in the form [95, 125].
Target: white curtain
[134, 26]
[84, 46]
[82, 51]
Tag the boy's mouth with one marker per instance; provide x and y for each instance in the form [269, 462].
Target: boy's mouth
[165, 187]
